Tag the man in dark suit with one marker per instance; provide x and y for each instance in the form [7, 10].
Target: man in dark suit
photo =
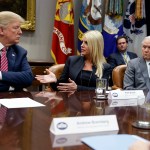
[15, 71]
[122, 56]
[137, 75]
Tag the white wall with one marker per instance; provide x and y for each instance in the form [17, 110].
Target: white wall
[38, 42]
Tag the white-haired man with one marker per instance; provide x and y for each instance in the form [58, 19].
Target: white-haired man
[137, 74]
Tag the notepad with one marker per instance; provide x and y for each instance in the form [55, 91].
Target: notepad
[111, 142]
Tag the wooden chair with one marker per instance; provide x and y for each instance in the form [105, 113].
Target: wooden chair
[38, 68]
[118, 76]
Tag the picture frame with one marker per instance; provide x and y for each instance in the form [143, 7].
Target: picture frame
[30, 16]
[25, 8]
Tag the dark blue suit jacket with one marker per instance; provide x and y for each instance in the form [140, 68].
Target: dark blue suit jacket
[19, 73]
[73, 67]
[116, 59]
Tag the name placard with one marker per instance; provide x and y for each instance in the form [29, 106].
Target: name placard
[126, 94]
[74, 139]
[121, 103]
[88, 124]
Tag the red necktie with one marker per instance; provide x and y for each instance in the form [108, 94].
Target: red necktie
[3, 111]
[4, 61]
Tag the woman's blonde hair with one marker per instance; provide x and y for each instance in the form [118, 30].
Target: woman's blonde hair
[96, 46]
[7, 17]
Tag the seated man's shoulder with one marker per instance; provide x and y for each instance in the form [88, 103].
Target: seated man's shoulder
[134, 61]
[19, 49]
[114, 55]
[132, 53]
[107, 65]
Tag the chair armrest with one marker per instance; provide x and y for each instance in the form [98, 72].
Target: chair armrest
[114, 87]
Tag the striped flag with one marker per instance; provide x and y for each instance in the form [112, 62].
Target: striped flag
[135, 25]
[63, 32]
[113, 25]
[90, 18]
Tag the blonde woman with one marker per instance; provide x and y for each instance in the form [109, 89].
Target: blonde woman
[80, 72]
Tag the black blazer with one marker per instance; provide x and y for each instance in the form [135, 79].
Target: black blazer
[73, 66]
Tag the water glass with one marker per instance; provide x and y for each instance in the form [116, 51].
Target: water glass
[143, 114]
[101, 85]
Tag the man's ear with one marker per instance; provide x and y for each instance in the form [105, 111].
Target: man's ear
[1, 30]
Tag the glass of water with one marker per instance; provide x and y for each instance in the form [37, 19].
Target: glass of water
[101, 85]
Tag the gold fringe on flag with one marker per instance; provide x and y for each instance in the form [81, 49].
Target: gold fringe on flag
[114, 7]
[138, 9]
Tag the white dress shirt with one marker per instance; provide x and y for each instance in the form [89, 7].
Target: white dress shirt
[1, 47]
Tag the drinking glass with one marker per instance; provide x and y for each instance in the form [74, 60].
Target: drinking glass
[101, 85]
[143, 114]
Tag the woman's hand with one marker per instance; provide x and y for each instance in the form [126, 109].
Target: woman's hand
[71, 86]
[50, 78]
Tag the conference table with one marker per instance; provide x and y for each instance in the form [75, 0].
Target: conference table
[28, 128]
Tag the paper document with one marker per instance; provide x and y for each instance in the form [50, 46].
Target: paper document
[19, 103]
[111, 142]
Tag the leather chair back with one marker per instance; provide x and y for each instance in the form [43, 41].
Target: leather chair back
[118, 76]
[57, 69]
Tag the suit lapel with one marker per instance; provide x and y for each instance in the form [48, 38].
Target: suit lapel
[144, 72]
[77, 67]
[120, 57]
[130, 56]
[11, 55]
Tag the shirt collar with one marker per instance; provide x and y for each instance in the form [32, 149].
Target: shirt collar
[122, 53]
[1, 46]
[147, 62]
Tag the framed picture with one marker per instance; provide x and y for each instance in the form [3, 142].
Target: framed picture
[25, 8]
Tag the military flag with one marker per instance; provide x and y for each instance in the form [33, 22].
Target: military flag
[135, 25]
[113, 25]
[63, 32]
[90, 18]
